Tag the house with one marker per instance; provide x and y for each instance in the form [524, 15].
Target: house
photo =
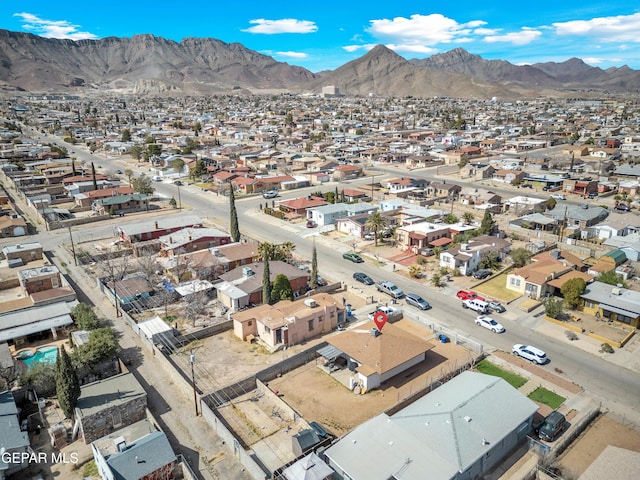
[39, 279]
[74, 189]
[478, 196]
[109, 404]
[612, 302]
[578, 186]
[215, 261]
[533, 279]
[154, 229]
[346, 172]
[615, 225]
[288, 323]
[458, 431]
[353, 225]
[376, 356]
[608, 262]
[192, 239]
[34, 321]
[149, 457]
[420, 235]
[523, 205]
[449, 191]
[12, 226]
[466, 258]
[310, 467]
[243, 285]
[133, 202]
[130, 291]
[629, 244]
[329, 214]
[22, 253]
[86, 199]
[13, 440]
[406, 184]
[509, 177]
[299, 206]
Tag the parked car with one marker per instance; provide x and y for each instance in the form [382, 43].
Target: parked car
[363, 278]
[592, 195]
[369, 236]
[468, 295]
[526, 185]
[391, 313]
[426, 252]
[270, 194]
[489, 323]
[311, 224]
[353, 257]
[177, 182]
[476, 305]
[390, 289]
[119, 172]
[482, 273]
[322, 282]
[417, 301]
[558, 196]
[530, 353]
[497, 307]
[621, 207]
[552, 426]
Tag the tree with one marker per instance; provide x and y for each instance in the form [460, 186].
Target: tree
[126, 135]
[266, 282]
[571, 291]
[436, 279]
[178, 165]
[173, 202]
[233, 217]
[273, 251]
[313, 281]
[84, 317]
[93, 176]
[136, 152]
[520, 257]
[67, 384]
[450, 219]
[197, 127]
[490, 260]
[143, 184]
[102, 346]
[415, 271]
[73, 167]
[551, 203]
[376, 222]
[487, 226]
[468, 217]
[196, 305]
[612, 278]
[281, 289]
[129, 173]
[41, 378]
[199, 169]
[553, 307]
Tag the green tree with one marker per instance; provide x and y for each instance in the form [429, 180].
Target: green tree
[376, 222]
[136, 152]
[450, 219]
[197, 128]
[67, 384]
[551, 203]
[273, 251]
[153, 149]
[85, 317]
[102, 346]
[571, 291]
[487, 226]
[553, 307]
[436, 279]
[520, 257]
[178, 165]
[266, 282]
[490, 261]
[468, 217]
[126, 135]
[612, 278]
[41, 378]
[281, 289]
[129, 173]
[415, 270]
[93, 175]
[313, 281]
[199, 169]
[234, 229]
[143, 184]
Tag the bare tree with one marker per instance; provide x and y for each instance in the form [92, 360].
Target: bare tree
[113, 269]
[195, 305]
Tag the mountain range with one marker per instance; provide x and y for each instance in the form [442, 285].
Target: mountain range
[146, 64]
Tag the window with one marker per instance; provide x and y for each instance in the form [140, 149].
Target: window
[589, 304]
[249, 323]
[514, 282]
[310, 322]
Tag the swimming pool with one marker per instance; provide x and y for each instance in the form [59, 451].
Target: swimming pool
[42, 355]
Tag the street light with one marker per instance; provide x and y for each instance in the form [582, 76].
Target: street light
[192, 359]
[179, 200]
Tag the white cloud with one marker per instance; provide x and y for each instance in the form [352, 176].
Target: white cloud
[292, 54]
[354, 48]
[411, 48]
[592, 60]
[51, 28]
[285, 25]
[523, 37]
[423, 30]
[622, 28]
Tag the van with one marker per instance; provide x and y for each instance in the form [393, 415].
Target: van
[476, 305]
[552, 426]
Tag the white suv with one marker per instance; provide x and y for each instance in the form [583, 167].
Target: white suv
[530, 353]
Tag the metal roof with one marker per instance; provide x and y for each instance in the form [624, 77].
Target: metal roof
[329, 352]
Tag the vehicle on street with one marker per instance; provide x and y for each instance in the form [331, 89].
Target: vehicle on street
[369, 236]
[482, 273]
[476, 305]
[322, 282]
[392, 313]
[497, 307]
[119, 172]
[311, 224]
[526, 185]
[592, 195]
[558, 196]
[156, 178]
[417, 301]
[177, 182]
[270, 193]
[552, 426]
[621, 207]
[390, 289]
[363, 278]
[468, 295]
[530, 353]
[489, 323]
[353, 257]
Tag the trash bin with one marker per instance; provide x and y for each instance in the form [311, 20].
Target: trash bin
[349, 312]
[443, 338]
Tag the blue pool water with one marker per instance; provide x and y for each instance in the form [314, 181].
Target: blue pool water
[42, 355]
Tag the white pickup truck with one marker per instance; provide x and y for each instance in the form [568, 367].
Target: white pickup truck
[390, 289]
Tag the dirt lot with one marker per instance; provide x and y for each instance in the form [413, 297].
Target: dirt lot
[602, 432]
[318, 396]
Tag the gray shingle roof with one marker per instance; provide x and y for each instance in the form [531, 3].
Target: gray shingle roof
[145, 456]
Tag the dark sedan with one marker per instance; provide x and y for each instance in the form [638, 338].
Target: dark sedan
[363, 278]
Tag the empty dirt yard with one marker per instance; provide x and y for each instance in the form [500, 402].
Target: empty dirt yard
[318, 396]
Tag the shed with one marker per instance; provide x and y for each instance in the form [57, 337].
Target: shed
[157, 331]
[304, 441]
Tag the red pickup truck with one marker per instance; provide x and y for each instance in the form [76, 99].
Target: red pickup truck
[468, 295]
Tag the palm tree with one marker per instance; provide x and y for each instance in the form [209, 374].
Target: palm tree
[376, 222]
[468, 217]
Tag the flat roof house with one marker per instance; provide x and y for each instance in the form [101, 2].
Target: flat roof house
[458, 431]
[612, 302]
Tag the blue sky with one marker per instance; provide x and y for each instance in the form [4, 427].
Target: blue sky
[326, 34]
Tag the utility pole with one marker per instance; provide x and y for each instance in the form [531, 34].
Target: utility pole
[564, 220]
[73, 247]
[192, 359]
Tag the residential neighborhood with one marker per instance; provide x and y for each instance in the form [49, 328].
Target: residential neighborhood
[207, 273]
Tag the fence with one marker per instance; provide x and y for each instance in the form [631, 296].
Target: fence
[454, 337]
